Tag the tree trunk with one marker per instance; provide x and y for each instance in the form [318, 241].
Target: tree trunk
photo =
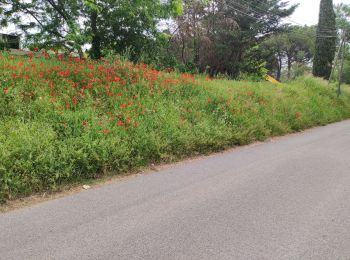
[96, 39]
[183, 50]
[279, 68]
[289, 67]
[195, 40]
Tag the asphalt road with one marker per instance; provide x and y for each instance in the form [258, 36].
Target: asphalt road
[285, 199]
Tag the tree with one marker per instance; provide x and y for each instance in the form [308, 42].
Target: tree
[46, 22]
[104, 24]
[296, 45]
[325, 41]
[342, 21]
[225, 30]
[134, 27]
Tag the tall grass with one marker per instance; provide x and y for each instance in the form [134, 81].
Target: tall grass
[65, 120]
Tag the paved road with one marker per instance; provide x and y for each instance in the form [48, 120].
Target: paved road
[285, 199]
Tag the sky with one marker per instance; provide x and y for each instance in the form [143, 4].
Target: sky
[307, 12]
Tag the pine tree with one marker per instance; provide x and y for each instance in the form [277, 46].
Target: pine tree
[325, 41]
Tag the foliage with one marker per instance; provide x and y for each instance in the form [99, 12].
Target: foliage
[66, 120]
[325, 40]
[343, 24]
[342, 12]
[46, 23]
[217, 35]
[293, 46]
[105, 25]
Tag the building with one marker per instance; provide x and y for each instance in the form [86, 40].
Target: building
[8, 41]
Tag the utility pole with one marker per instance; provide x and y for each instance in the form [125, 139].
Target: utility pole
[340, 78]
[336, 58]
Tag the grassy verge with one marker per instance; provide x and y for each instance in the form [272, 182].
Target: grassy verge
[67, 120]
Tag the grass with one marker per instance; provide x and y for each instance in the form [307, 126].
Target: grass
[68, 120]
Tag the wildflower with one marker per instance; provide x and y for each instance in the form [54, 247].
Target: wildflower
[6, 90]
[63, 73]
[75, 101]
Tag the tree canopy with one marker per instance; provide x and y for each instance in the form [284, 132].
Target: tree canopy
[215, 36]
[325, 40]
[295, 45]
[71, 24]
[230, 37]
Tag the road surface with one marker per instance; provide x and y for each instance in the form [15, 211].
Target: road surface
[285, 199]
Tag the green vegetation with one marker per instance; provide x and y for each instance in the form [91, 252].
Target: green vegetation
[207, 36]
[343, 25]
[294, 47]
[325, 40]
[65, 120]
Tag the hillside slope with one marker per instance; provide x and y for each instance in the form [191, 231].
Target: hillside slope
[66, 120]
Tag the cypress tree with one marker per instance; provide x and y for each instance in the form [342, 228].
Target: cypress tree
[325, 41]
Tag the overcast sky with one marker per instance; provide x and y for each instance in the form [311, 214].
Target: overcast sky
[307, 12]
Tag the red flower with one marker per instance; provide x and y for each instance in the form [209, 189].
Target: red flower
[63, 73]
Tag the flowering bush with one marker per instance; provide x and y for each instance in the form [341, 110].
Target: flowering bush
[65, 119]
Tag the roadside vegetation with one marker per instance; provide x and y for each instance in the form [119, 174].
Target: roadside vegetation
[65, 119]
